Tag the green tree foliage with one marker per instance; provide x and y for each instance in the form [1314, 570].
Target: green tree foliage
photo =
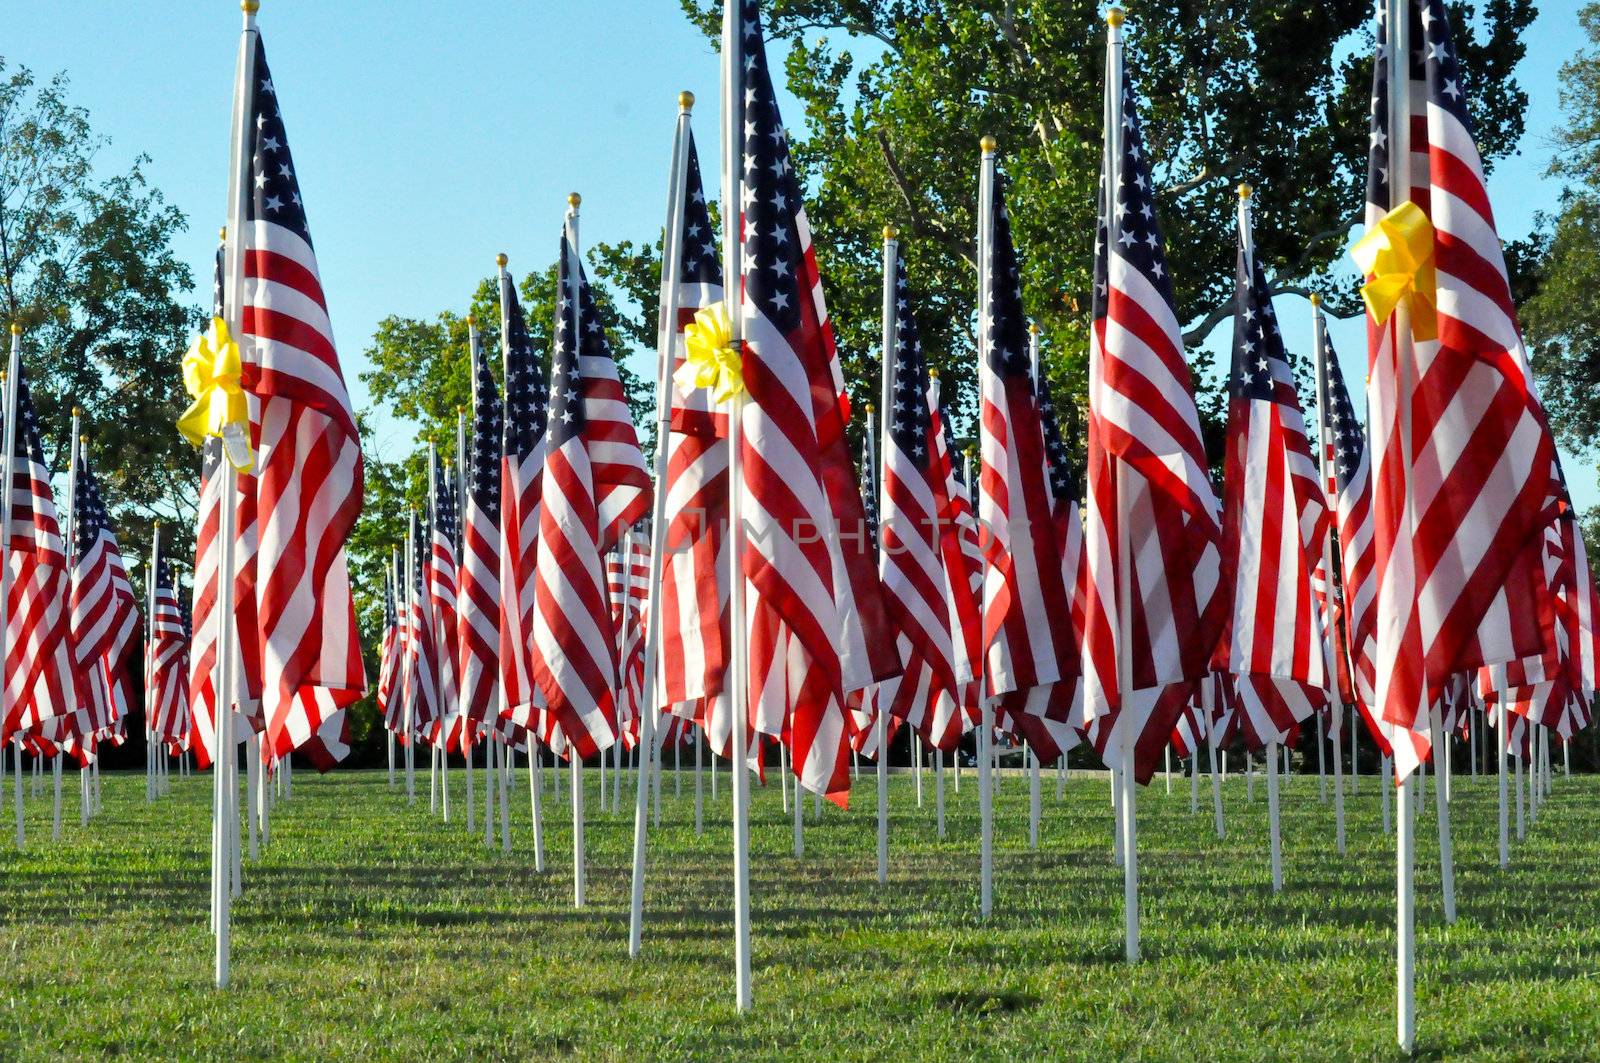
[87, 268]
[1273, 92]
[1562, 318]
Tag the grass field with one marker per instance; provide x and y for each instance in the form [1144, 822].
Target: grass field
[370, 929]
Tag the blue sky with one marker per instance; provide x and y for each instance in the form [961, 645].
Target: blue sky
[429, 136]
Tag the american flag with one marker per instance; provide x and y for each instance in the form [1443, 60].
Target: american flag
[1148, 481]
[389, 651]
[419, 685]
[305, 492]
[41, 677]
[694, 568]
[105, 612]
[595, 484]
[203, 647]
[1027, 624]
[478, 600]
[1458, 527]
[1273, 523]
[440, 576]
[1045, 715]
[628, 586]
[814, 603]
[522, 447]
[167, 662]
[1349, 490]
[924, 573]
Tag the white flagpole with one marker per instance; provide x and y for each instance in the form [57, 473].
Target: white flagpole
[12, 372]
[574, 761]
[1355, 765]
[1126, 725]
[1333, 640]
[1216, 778]
[1441, 801]
[535, 801]
[877, 429]
[700, 781]
[442, 640]
[394, 583]
[225, 806]
[733, 272]
[508, 756]
[986, 722]
[491, 768]
[938, 790]
[408, 716]
[468, 739]
[783, 775]
[1194, 781]
[1247, 240]
[1399, 127]
[71, 543]
[666, 359]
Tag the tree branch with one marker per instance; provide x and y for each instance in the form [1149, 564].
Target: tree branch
[920, 224]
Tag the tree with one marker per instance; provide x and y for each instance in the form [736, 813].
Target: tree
[1561, 319]
[87, 268]
[1273, 92]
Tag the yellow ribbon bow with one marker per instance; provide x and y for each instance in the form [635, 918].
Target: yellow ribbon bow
[1397, 257]
[710, 360]
[211, 371]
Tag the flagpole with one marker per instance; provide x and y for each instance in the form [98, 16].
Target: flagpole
[409, 713]
[1126, 725]
[1030, 754]
[1441, 804]
[468, 738]
[226, 766]
[574, 761]
[441, 643]
[733, 273]
[1247, 241]
[1334, 637]
[1399, 127]
[1211, 746]
[13, 372]
[666, 358]
[875, 432]
[986, 146]
[150, 630]
[70, 541]
[394, 584]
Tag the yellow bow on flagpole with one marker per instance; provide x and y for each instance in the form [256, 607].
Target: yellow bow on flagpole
[1396, 255]
[710, 359]
[211, 372]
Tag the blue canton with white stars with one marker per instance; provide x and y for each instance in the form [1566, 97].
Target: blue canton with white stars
[1058, 459]
[702, 259]
[773, 255]
[88, 510]
[274, 189]
[488, 423]
[909, 419]
[444, 501]
[1436, 51]
[1139, 241]
[1260, 363]
[1342, 429]
[527, 402]
[567, 416]
[1007, 328]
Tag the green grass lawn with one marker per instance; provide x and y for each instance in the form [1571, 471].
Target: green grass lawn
[372, 929]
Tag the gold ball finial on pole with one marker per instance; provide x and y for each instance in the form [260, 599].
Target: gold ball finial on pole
[1033, 328]
[16, 329]
[574, 200]
[1245, 191]
[685, 100]
[988, 144]
[249, 7]
[501, 260]
[1115, 17]
[84, 439]
[933, 374]
[77, 411]
[1316, 300]
[890, 233]
[222, 234]
[870, 409]
[472, 321]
